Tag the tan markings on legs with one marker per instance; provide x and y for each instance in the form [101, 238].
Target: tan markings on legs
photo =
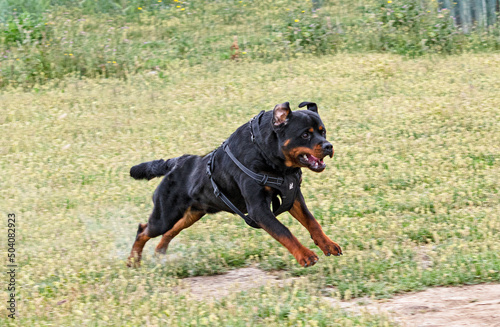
[303, 255]
[304, 216]
[189, 218]
[135, 255]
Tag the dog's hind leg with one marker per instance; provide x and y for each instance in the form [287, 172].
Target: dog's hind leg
[142, 237]
[188, 219]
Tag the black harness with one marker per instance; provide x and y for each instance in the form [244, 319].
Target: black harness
[287, 186]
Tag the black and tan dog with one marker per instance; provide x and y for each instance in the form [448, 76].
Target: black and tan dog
[259, 165]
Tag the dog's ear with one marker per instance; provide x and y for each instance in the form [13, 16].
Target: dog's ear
[281, 113]
[310, 106]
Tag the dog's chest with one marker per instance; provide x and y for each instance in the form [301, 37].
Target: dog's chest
[284, 195]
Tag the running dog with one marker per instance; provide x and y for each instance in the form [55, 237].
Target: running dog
[257, 170]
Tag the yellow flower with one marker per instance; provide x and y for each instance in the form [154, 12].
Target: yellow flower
[389, 1]
[140, 8]
[178, 6]
[183, 9]
[243, 52]
[303, 11]
[70, 54]
[159, 0]
[297, 20]
[114, 62]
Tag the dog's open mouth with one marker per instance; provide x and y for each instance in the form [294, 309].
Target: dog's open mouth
[311, 162]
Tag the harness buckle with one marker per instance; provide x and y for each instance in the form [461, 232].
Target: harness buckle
[264, 179]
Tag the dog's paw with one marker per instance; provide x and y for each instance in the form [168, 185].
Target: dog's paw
[133, 263]
[306, 257]
[329, 247]
[160, 251]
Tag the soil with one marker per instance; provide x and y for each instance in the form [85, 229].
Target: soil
[473, 305]
[218, 286]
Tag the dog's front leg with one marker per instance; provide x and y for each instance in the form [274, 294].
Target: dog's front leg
[305, 217]
[263, 216]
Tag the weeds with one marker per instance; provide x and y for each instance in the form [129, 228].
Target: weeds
[44, 40]
[415, 174]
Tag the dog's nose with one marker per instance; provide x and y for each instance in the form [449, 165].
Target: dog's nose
[327, 149]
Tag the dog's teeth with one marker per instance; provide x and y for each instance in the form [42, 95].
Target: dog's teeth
[304, 156]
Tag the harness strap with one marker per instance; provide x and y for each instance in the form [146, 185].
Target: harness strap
[256, 137]
[259, 178]
[262, 179]
[224, 198]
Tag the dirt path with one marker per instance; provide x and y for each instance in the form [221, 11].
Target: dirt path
[475, 305]
[216, 287]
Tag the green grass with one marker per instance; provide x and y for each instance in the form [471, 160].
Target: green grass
[47, 40]
[411, 194]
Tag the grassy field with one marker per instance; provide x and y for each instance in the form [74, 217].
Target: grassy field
[411, 194]
[50, 39]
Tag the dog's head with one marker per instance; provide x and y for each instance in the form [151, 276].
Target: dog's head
[301, 136]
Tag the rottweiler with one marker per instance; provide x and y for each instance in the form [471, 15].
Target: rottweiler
[257, 170]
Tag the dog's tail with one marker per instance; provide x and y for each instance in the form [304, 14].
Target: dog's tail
[151, 169]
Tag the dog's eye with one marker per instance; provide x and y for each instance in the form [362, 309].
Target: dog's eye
[305, 135]
[323, 133]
